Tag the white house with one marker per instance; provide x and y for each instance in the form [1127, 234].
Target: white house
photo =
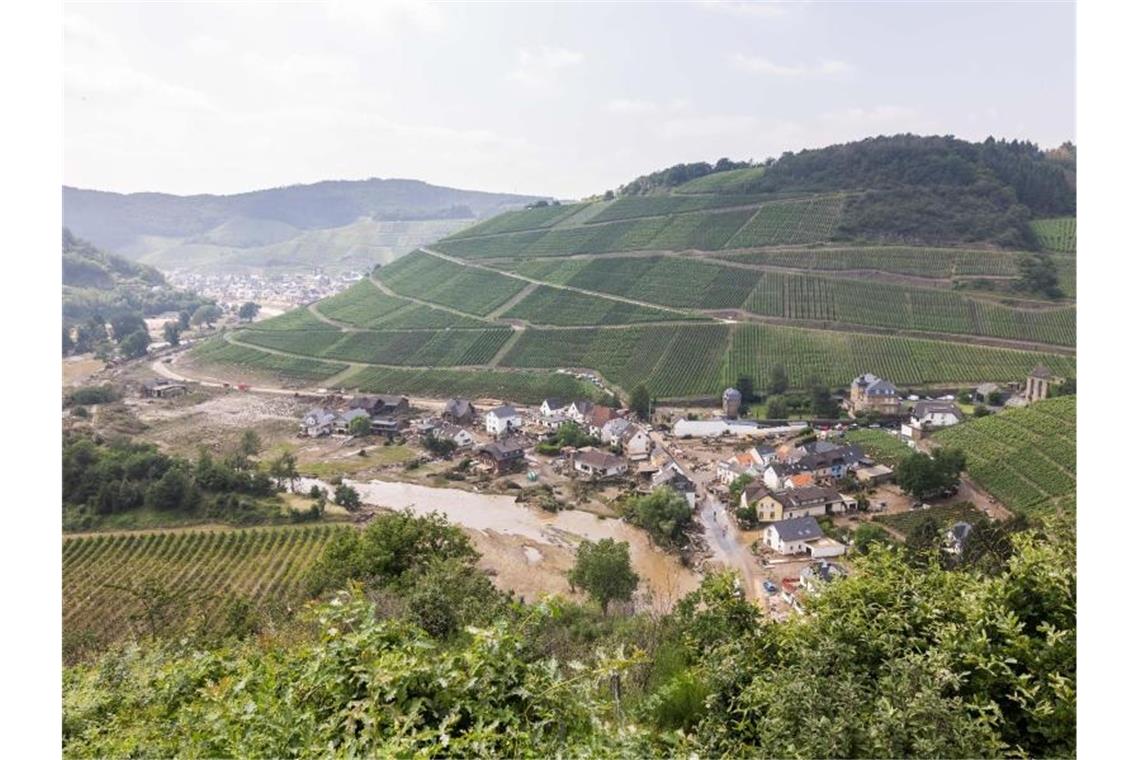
[344, 421]
[317, 422]
[461, 437]
[792, 536]
[502, 420]
[598, 464]
[930, 415]
[613, 430]
[636, 443]
[579, 411]
[553, 406]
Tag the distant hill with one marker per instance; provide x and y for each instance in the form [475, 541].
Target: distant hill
[912, 258]
[317, 224]
[95, 282]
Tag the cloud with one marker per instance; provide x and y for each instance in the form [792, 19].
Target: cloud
[711, 125]
[641, 107]
[744, 8]
[124, 84]
[538, 67]
[387, 15]
[873, 115]
[823, 69]
[297, 69]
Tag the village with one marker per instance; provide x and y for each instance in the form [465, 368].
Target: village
[776, 502]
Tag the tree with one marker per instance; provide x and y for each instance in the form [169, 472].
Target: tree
[284, 469]
[603, 570]
[248, 311]
[440, 447]
[823, 405]
[173, 491]
[994, 398]
[608, 196]
[126, 325]
[639, 402]
[171, 332]
[924, 477]
[778, 380]
[747, 389]
[1067, 387]
[664, 514]
[925, 538]
[347, 497]
[777, 408]
[184, 319]
[360, 426]
[737, 487]
[206, 314]
[135, 344]
[250, 443]
[867, 535]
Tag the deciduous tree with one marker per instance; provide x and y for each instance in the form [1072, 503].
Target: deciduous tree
[603, 570]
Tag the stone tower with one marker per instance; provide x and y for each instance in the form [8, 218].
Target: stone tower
[1037, 384]
[730, 401]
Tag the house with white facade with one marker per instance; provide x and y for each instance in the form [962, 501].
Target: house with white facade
[597, 464]
[801, 535]
[927, 416]
[344, 421]
[501, 420]
[636, 443]
[553, 406]
[461, 437]
[612, 431]
[318, 422]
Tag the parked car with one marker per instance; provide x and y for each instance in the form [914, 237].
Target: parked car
[770, 587]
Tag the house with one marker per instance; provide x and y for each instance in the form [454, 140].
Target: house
[344, 421]
[503, 456]
[163, 388]
[774, 506]
[381, 406]
[956, 537]
[752, 493]
[671, 476]
[461, 437]
[792, 536]
[579, 410]
[1038, 382]
[502, 420]
[554, 421]
[612, 431]
[317, 422]
[636, 443]
[459, 411]
[388, 426]
[874, 475]
[874, 394]
[830, 463]
[553, 406]
[930, 415]
[779, 476]
[597, 464]
[730, 403]
[597, 419]
[741, 463]
[815, 576]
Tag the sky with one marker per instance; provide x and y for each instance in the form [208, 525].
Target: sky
[551, 99]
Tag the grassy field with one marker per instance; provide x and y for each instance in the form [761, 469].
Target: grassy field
[203, 569]
[1058, 234]
[303, 370]
[945, 516]
[1026, 458]
[880, 445]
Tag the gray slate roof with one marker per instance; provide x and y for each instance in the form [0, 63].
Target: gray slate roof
[504, 412]
[798, 529]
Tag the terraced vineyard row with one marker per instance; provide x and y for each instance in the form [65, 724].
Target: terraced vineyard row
[837, 357]
[466, 289]
[518, 386]
[940, 263]
[1058, 234]
[265, 566]
[298, 319]
[362, 305]
[524, 219]
[413, 348]
[635, 206]
[298, 370]
[732, 181]
[670, 360]
[810, 220]
[807, 297]
[1025, 457]
[553, 306]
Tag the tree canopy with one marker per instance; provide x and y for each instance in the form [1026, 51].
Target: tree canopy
[603, 570]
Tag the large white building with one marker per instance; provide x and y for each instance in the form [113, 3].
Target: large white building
[502, 420]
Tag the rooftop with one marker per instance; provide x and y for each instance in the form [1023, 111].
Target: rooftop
[797, 529]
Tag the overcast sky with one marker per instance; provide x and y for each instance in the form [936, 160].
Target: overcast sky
[562, 100]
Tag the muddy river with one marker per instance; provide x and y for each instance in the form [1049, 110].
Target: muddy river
[662, 574]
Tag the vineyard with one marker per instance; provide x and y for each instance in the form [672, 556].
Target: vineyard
[1058, 235]
[837, 357]
[938, 263]
[554, 306]
[429, 278]
[422, 348]
[811, 220]
[1026, 457]
[806, 297]
[518, 386]
[362, 305]
[265, 566]
[519, 221]
[636, 206]
[945, 516]
[732, 181]
[288, 368]
[298, 319]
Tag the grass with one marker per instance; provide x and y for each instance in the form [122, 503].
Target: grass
[880, 445]
[376, 455]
